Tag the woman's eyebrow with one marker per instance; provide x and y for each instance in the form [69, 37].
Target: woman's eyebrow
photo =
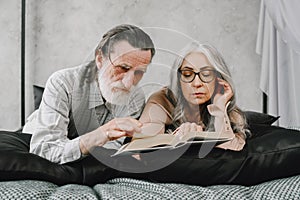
[187, 68]
[201, 68]
[207, 67]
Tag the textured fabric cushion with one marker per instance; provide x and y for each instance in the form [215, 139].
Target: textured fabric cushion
[259, 118]
[33, 189]
[125, 188]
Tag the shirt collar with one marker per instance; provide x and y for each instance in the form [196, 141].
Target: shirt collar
[95, 97]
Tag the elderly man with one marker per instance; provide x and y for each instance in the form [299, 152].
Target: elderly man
[95, 104]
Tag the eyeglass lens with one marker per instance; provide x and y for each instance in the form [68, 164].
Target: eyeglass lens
[205, 76]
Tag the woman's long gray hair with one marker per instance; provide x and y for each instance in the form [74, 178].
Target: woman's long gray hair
[217, 61]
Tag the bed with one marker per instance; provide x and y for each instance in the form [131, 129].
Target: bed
[268, 168]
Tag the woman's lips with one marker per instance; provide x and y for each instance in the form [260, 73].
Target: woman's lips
[198, 94]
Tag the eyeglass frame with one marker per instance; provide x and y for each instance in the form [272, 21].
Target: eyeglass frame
[197, 73]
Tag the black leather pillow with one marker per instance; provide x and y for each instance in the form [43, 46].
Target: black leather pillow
[259, 118]
[16, 163]
[271, 156]
[264, 158]
[38, 94]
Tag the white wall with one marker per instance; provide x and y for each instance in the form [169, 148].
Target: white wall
[10, 98]
[64, 33]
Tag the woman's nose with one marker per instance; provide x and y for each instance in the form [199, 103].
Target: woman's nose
[197, 81]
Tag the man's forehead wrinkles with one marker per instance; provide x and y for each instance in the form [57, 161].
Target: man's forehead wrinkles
[138, 56]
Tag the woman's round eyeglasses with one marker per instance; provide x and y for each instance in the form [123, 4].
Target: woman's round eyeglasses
[205, 75]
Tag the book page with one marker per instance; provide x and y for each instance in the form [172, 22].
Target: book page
[146, 143]
[161, 141]
[205, 137]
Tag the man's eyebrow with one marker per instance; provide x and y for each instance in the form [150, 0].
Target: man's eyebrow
[142, 67]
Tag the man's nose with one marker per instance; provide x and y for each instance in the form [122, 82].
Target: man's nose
[128, 79]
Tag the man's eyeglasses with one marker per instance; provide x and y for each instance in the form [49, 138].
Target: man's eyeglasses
[205, 75]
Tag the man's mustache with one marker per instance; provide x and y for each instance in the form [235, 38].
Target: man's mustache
[120, 86]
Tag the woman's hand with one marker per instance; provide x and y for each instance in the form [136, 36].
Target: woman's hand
[223, 91]
[186, 128]
[112, 130]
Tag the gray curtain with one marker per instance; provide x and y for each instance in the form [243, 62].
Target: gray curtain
[278, 43]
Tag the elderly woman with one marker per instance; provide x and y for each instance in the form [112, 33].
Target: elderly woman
[200, 97]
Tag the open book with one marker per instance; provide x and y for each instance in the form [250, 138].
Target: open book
[169, 141]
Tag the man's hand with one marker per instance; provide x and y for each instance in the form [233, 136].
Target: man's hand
[112, 130]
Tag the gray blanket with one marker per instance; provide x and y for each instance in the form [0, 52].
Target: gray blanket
[125, 188]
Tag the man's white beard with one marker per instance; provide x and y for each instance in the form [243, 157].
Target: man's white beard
[112, 92]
